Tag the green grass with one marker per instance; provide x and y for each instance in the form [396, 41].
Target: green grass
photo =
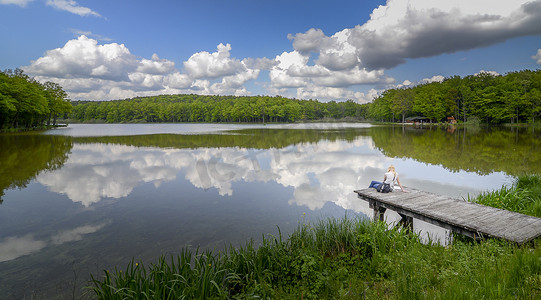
[345, 258]
[524, 196]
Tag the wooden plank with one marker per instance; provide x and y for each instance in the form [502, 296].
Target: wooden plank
[464, 217]
[509, 223]
[514, 223]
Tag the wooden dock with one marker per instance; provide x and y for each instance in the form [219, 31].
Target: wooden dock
[470, 219]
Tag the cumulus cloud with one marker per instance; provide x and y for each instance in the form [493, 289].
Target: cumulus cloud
[178, 80]
[234, 84]
[397, 31]
[335, 68]
[72, 7]
[213, 65]
[491, 73]
[259, 63]
[319, 66]
[84, 58]
[333, 93]
[408, 83]
[417, 28]
[21, 3]
[537, 57]
[89, 70]
[322, 81]
[312, 40]
[156, 65]
[435, 78]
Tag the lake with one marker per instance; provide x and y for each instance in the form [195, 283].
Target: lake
[85, 198]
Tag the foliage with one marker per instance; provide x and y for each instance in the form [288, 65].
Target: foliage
[24, 102]
[512, 98]
[198, 108]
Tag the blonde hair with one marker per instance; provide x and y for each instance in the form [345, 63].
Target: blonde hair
[391, 169]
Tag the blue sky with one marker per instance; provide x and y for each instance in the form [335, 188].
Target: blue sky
[326, 50]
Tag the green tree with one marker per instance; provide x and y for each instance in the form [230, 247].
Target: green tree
[58, 101]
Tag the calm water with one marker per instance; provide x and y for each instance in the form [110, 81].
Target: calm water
[85, 198]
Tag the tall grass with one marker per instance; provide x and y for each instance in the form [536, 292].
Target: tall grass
[524, 196]
[347, 258]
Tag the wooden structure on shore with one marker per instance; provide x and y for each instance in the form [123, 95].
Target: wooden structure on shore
[470, 219]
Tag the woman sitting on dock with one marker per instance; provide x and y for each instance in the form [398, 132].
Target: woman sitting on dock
[390, 177]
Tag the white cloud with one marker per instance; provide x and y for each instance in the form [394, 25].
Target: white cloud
[408, 83]
[333, 93]
[492, 73]
[233, 85]
[404, 29]
[537, 57]
[178, 81]
[21, 3]
[92, 71]
[435, 78]
[213, 65]
[72, 7]
[288, 59]
[84, 58]
[319, 66]
[336, 67]
[156, 65]
[146, 81]
[355, 76]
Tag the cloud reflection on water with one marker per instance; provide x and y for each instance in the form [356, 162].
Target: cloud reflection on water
[16, 246]
[318, 172]
[326, 171]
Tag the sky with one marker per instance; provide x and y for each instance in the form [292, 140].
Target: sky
[303, 49]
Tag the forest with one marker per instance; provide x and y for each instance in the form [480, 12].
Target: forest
[484, 97]
[27, 103]
[208, 108]
[481, 98]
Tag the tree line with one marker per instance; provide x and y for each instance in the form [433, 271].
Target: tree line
[485, 97]
[27, 103]
[205, 108]
[488, 98]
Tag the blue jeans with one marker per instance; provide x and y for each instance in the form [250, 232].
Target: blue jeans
[374, 184]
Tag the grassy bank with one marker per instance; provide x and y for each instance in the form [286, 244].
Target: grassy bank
[340, 259]
[25, 129]
[524, 196]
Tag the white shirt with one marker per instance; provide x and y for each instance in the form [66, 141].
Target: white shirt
[390, 178]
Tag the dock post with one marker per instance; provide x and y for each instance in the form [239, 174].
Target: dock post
[406, 222]
[378, 211]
